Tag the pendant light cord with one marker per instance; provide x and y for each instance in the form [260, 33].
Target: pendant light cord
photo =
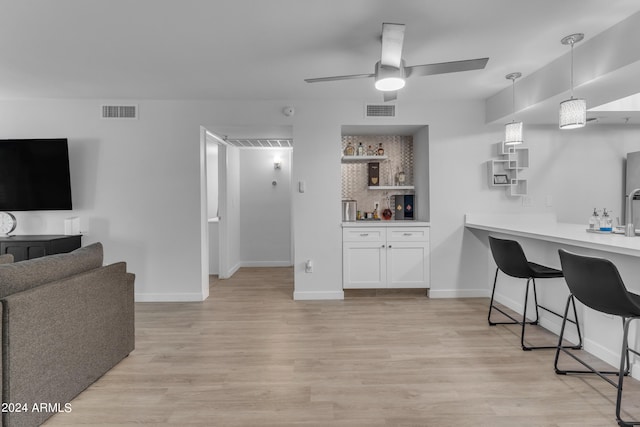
[513, 98]
[572, 42]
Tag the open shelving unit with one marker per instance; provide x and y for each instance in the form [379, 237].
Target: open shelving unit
[391, 187]
[354, 159]
[505, 171]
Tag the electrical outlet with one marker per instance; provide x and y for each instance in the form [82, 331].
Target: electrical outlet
[308, 266]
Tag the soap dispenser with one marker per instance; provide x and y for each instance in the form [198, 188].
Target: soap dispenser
[606, 222]
[594, 221]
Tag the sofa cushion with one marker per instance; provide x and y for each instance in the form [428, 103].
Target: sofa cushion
[23, 275]
[6, 259]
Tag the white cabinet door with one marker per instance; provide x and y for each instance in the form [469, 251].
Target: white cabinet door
[408, 264]
[364, 265]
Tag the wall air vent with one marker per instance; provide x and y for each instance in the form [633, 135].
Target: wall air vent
[380, 110]
[119, 111]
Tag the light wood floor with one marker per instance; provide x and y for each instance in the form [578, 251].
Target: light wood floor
[251, 356]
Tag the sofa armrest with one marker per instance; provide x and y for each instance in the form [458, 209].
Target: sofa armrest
[58, 338]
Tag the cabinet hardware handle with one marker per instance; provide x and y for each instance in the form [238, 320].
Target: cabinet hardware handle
[389, 246]
[383, 246]
[364, 234]
[408, 234]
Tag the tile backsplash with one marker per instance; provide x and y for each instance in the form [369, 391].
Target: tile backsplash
[399, 150]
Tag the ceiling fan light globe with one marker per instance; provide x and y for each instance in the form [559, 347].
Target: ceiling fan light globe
[390, 84]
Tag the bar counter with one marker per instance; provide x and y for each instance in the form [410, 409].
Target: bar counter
[541, 236]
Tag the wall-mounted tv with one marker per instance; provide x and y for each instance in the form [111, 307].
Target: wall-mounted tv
[34, 175]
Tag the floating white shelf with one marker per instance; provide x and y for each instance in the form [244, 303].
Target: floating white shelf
[505, 171]
[392, 187]
[352, 159]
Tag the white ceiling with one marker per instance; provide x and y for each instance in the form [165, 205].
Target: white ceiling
[263, 49]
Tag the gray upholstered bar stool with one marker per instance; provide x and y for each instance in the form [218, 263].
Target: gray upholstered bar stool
[511, 260]
[596, 283]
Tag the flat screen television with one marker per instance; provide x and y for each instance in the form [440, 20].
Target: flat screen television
[34, 175]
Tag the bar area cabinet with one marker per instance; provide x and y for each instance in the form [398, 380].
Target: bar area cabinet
[385, 256]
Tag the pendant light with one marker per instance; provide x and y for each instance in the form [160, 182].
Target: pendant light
[573, 112]
[513, 130]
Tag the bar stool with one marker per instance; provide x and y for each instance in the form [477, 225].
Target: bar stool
[596, 283]
[511, 260]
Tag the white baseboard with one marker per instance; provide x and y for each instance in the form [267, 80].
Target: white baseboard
[306, 296]
[602, 353]
[458, 293]
[169, 297]
[232, 271]
[266, 264]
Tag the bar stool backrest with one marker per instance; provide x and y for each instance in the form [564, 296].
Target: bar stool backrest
[510, 257]
[596, 283]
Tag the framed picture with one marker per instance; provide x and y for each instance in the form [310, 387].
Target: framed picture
[500, 179]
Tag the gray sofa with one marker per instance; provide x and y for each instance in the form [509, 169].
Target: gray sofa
[66, 320]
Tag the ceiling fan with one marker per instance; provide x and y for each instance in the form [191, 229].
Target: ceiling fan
[390, 71]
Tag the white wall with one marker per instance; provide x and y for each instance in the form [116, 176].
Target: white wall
[580, 169]
[265, 209]
[136, 183]
[421, 174]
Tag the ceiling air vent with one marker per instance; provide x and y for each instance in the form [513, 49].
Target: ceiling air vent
[380, 110]
[119, 112]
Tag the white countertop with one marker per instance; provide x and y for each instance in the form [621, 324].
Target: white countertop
[545, 227]
[384, 223]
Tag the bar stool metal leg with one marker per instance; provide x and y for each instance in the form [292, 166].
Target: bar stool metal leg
[524, 321]
[624, 370]
[560, 347]
[514, 321]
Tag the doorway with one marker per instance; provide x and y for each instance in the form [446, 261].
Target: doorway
[247, 200]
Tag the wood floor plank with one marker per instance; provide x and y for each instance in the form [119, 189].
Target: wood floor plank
[251, 356]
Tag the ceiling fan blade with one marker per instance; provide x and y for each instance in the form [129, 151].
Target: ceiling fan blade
[330, 79]
[390, 95]
[446, 67]
[392, 40]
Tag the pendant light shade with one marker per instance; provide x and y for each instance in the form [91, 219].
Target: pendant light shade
[513, 130]
[513, 133]
[573, 111]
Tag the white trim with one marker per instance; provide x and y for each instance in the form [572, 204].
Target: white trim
[266, 264]
[204, 225]
[325, 295]
[169, 297]
[458, 293]
[223, 229]
[233, 270]
[602, 353]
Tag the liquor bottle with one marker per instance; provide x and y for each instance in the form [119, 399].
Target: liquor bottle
[360, 149]
[401, 177]
[380, 150]
[370, 151]
[349, 150]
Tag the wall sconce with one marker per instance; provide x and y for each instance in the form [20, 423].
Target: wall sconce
[277, 162]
